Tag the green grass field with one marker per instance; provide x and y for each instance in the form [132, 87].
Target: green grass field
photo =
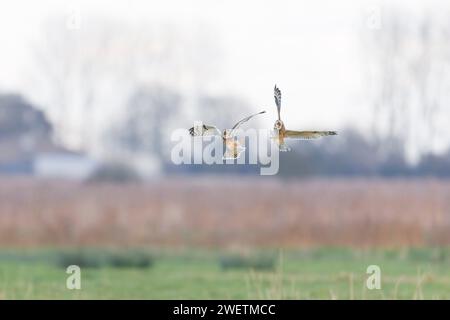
[325, 273]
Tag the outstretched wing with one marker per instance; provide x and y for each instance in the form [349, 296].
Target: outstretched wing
[204, 130]
[239, 123]
[277, 96]
[308, 135]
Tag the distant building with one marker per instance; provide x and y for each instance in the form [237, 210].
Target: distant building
[27, 148]
[24, 130]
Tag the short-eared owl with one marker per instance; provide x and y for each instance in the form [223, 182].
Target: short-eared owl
[233, 147]
[281, 133]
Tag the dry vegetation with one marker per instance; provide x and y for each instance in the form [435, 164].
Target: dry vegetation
[230, 212]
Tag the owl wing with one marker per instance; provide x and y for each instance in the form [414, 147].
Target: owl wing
[277, 96]
[308, 135]
[204, 130]
[240, 122]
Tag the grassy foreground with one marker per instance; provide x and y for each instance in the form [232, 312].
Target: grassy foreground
[192, 274]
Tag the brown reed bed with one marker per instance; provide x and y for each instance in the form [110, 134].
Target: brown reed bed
[230, 212]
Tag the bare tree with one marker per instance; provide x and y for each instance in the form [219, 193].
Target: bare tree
[144, 126]
[88, 75]
[406, 59]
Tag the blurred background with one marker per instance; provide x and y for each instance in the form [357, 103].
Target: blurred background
[90, 92]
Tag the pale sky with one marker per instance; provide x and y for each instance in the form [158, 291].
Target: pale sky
[310, 49]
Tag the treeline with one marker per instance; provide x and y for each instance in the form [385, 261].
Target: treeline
[348, 154]
[25, 132]
[354, 155]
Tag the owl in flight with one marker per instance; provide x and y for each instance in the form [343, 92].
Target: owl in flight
[232, 146]
[281, 133]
